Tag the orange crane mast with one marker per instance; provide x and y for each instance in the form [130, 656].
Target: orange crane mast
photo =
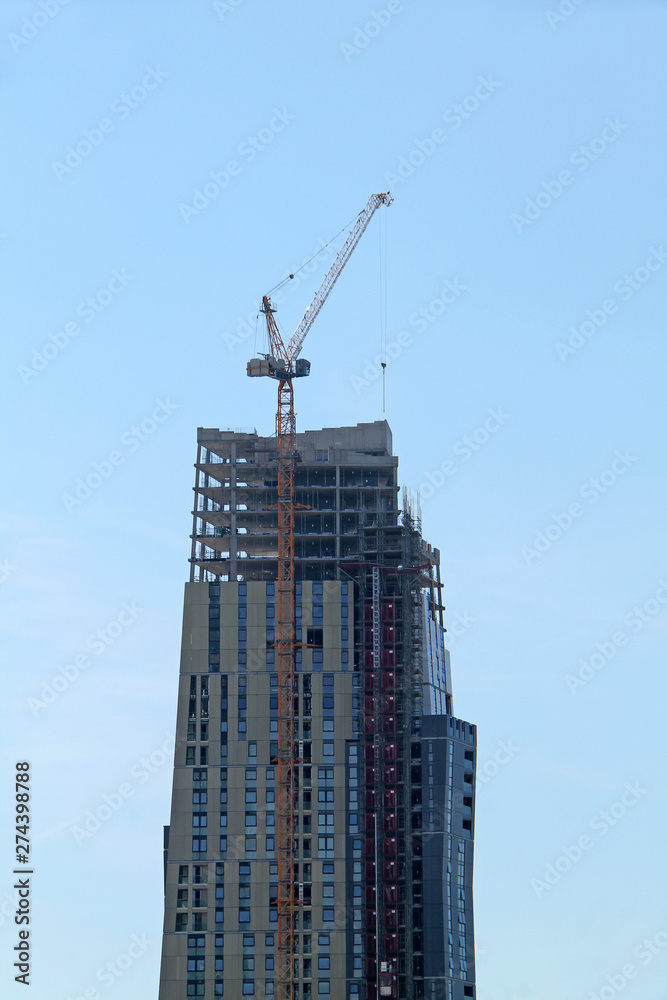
[283, 364]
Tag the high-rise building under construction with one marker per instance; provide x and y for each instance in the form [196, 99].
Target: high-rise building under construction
[384, 807]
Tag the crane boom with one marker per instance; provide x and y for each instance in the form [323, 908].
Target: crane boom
[334, 273]
[284, 364]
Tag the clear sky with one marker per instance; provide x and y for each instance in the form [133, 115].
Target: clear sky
[526, 271]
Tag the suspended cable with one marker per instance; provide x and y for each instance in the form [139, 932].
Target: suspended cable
[383, 304]
[307, 262]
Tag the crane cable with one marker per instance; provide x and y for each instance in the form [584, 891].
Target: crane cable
[383, 305]
[317, 254]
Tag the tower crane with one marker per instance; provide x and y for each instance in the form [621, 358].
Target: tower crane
[284, 364]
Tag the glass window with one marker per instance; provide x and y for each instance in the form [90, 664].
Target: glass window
[244, 915]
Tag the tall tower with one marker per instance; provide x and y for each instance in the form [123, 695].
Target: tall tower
[384, 795]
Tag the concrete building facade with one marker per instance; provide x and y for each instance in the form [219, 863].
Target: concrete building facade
[384, 801]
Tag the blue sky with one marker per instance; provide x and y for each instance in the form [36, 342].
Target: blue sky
[523, 142]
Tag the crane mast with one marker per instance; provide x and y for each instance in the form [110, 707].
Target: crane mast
[283, 364]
